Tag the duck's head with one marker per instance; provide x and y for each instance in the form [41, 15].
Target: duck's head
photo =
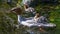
[17, 10]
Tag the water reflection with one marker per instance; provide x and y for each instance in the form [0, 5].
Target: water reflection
[38, 32]
[27, 30]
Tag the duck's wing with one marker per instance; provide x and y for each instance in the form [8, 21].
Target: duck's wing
[30, 18]
[32, 24]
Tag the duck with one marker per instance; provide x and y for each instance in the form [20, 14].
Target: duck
[29, 22]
